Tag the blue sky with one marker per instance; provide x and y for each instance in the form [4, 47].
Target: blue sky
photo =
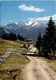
[24, 10]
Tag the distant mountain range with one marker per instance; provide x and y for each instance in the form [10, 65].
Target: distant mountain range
[29, 29]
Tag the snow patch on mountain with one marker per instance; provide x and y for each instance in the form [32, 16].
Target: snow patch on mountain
[32, 22]
[29, 29]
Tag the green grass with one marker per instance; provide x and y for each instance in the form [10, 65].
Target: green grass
[32, 42]
[7, 44]
[13, 65]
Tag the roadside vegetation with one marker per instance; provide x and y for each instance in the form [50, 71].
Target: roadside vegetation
[8, 44]
[47, 44]
[12, 67]
[51, 63]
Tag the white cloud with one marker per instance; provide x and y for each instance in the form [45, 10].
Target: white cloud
[44, 18]
[47, 18]
[30, 8]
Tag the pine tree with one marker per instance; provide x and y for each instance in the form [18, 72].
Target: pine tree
[12, 36]
[39, 43]
[49, 40]
[20, 37]
[5, 36]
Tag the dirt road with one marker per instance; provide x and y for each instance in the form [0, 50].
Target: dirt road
[37, 69]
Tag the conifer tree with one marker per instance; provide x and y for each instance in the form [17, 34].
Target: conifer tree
[49, 40]
[39, 43]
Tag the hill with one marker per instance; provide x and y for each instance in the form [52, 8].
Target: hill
[14, 63]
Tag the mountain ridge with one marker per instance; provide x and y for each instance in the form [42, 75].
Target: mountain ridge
[29, 29]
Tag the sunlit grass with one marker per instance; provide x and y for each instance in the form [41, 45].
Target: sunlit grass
[6, 44]
[15, 63]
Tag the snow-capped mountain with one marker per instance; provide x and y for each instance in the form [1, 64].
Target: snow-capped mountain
[32, 22]
[29, 29]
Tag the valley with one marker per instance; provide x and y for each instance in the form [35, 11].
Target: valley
[23, 63]
[27, 40]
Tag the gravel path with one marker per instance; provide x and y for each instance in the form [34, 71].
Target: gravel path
[37, 69]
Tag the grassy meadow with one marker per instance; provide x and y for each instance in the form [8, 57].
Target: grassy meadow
[7, 44]
[12, 67]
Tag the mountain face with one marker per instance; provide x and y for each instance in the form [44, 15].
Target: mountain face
[29, 29]
[3, 31]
